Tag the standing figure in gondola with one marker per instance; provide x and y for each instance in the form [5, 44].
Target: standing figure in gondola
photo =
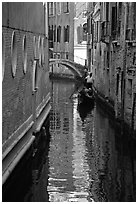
[89, 81]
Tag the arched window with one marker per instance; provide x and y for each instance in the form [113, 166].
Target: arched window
[14, 53]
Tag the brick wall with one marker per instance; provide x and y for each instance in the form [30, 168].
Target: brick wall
[17, 90]
[122, 58]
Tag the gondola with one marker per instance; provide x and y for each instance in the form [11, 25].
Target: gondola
[86, 96]
[85, 102]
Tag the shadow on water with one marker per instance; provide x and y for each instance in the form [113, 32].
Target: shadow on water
[26, 183]
[113, 158]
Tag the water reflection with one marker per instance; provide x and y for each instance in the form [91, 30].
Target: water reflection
[84, 109]
[28, 181]
[85, 164]
[85, 159]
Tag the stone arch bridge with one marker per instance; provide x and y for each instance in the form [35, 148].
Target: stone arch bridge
[77, 69]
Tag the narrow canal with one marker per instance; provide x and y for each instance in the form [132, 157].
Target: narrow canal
[84, 160]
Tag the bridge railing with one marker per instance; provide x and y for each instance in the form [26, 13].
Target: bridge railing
[70, 58]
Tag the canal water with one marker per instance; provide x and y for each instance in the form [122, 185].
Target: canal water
[83, 159]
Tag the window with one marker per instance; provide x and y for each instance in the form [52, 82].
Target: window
[3, 56]
[78, 34]
[51, 32]
[66, 34]
[65, 7]
[108, 59]
[114, 20]
[130, 88]
[117, 83]
[51, 7]
[24, 48]
[58, 8]
[14, 53]
[58, 55]
[92, 26]
[67, 55]
[134, 58]
[85, 32]
[55, 8]
[55, 33]
[134, 15]
[59, 34]
[107, 11]
[120, 9]
[51, 36]
[96, 31]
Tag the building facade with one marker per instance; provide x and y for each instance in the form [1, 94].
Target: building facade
[61, 33]
[25, 78]
[80, 33]
[112, 55]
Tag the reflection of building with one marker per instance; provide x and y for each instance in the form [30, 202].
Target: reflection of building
[112, 54]
[60, 155]
[112, 174]
[80, 32]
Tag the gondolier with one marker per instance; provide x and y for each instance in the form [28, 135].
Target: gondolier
[89, 81]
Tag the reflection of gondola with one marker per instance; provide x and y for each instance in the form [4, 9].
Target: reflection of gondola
[84, 109]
